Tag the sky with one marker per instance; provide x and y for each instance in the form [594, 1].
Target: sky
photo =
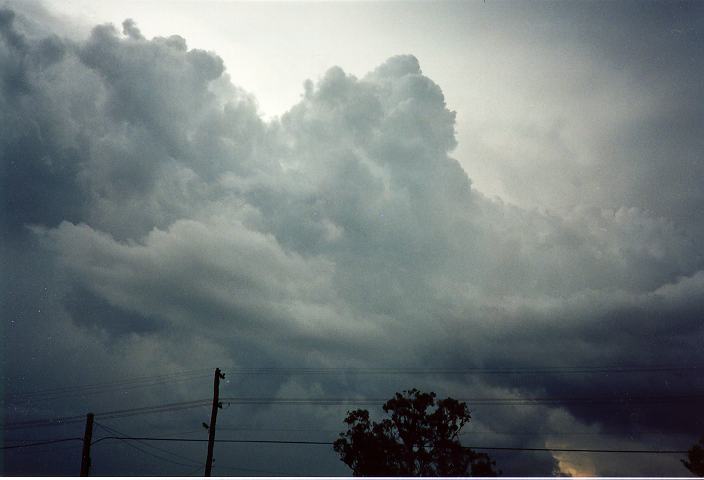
[343, 200]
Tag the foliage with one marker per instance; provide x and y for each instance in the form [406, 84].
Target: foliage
[416, 440]
[695, 458]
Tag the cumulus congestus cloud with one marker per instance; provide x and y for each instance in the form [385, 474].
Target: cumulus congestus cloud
[342, 233]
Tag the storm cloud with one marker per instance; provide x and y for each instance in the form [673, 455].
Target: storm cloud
[158, 219]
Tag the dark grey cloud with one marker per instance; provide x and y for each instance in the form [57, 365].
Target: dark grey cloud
[153, 218]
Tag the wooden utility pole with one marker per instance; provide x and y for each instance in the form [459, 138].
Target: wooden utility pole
[87, 438]
[213, 420]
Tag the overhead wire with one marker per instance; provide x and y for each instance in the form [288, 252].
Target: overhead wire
[105, 390]
[126, 440]
[57, 421]
[254, 470]
[462, 371]
[694, 397]
[146, 381]
[43, 442]
[312, 401]
[119, 381]
[191, 472]
[570, 434]
[131, 383]
[138, 382]
[44, 449]
[170, 407]
[125, 384]
[163, 450]
[262, 429]
[466, 433]
[123, 437]
[158, 457]
[322, 443]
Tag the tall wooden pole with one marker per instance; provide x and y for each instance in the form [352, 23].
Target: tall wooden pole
[213, 420]
[87, 438]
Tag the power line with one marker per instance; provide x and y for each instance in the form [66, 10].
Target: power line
[145, 381]
[579, 450]
[126, 440]
[185, 375]
[191, 472]
[467, 433]
[269, 429]
[315, 443]
[464, 371]
[204, 440]
[109, 429]
[320, 443]
[136, 382]
[44, 442]
[52, 449]
[125, 391]
[114, 431]
[474, 400]
[255, 470]
[503, 401]
[569, 434]
[129, 383]
[169, 407]
[57, 421]
[186, 432]
[103, 390]
[121, 381]
[45, 422]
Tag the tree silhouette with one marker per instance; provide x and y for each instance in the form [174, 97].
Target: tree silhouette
[415, 441]
[695, 458]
